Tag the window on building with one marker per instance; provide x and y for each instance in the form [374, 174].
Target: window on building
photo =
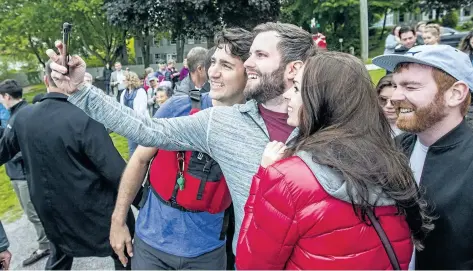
[197, 40]
[467, 11]
[190, 40]
[156, 56]
[401, 17]
[173, 41]
[431, 15]
[139, 60]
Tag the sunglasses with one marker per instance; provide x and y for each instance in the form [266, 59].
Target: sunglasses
[382, 101]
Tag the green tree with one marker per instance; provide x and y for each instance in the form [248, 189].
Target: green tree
[28, 28]
[450, 19]
[198, 18]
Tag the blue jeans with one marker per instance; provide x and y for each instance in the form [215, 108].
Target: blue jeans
[131, 147]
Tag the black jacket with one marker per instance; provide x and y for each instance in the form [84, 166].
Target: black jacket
[106, 74]
[15, 168]
[447, 178]
[73, 172]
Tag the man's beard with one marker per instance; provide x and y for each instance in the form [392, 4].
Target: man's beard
[269, 87]
[424, 117]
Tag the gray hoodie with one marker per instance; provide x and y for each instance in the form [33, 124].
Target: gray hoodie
[234, 136]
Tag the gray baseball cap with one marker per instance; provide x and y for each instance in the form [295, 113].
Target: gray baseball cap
[444, 57]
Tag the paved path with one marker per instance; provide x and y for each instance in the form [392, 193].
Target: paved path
[371, 67]
[22, 239]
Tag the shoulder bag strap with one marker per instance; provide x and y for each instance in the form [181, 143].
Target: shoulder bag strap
[384, 239]
[195, 96]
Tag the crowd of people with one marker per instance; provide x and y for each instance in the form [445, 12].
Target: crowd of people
[271, 154]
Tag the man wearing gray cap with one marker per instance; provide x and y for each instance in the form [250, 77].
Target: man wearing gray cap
[432, 95]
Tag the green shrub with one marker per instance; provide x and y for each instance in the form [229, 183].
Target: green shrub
[450, 19]
[467, 26]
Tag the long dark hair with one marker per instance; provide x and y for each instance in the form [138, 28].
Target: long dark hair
[343, 127]
[465, 45]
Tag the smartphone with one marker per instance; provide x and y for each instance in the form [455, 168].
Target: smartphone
[66, 33]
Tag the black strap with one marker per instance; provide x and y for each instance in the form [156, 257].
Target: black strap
[384, 239]
[226, 222]
[195, 96]
[172, 204]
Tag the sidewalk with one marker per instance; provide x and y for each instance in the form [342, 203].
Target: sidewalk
[22, 239]
[371, 67]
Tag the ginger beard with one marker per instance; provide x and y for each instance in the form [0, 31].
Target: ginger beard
[416, 120]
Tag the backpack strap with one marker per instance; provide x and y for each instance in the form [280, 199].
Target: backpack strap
[384, 239]
[195, 96]
[226, 222]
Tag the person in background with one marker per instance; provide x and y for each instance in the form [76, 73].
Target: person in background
[106, 74]
[385, 89]
[320, 40]
[135, 98]
[466, 46]
[408, 40]
[163, 93]
[88, 78]
[5, 255]
[11, 96]
[420, 27]
[161, 72]
[431, 34]
[171, 74]
[116, 81]
[151, 93]
[310, 210]
[197, 77]
[392, 40]
[4, 116]
[184, 71]
[149, 72]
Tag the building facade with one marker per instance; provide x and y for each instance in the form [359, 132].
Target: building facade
[164, 49]
[396, 18]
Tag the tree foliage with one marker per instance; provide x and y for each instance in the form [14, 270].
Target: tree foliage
[191, 18]
[336, 19]
[28, 28]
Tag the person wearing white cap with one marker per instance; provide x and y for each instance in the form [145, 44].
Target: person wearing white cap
[432, 95]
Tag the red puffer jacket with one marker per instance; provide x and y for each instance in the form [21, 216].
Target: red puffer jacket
[292, 222]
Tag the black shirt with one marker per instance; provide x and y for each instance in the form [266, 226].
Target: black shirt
[73, 172]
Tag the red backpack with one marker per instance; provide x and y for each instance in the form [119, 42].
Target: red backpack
[190, 181]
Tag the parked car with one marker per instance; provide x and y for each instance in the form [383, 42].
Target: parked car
[451, 36]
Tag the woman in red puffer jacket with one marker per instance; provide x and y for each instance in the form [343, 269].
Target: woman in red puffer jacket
[309, 210]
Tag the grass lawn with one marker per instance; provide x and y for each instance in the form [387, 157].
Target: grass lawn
[376, 75]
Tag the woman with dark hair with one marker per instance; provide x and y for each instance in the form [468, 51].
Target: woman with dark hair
[315, 208]
[466, 45]
[385, 90]
[392, 40]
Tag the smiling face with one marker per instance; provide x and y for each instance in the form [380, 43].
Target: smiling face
[161, 97]
[227, 76]
[265, 69]
[417, 101]
[294, 97]
[429, 38]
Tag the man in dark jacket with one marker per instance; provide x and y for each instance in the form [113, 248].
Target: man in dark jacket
[197, 77]
[408, 40]
[11, 97]
[432, 96]
[106, 74]
[73, 172]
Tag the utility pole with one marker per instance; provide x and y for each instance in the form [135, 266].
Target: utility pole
[364, 29]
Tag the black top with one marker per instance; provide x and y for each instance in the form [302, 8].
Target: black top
[447, 178]
[15, 167]
[73, 171]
